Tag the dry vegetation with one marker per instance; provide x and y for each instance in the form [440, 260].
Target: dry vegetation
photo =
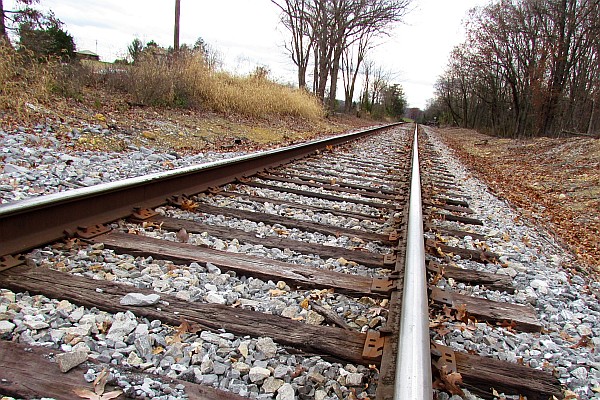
[22, 82]
[554, 181]
[176, 104]
[186, 81]
[183, 81]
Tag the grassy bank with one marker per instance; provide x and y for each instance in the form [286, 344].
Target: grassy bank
[184, 81]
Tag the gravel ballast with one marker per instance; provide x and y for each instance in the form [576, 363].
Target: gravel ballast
[35, 163]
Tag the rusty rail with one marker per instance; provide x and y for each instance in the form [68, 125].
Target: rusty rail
[33, 222]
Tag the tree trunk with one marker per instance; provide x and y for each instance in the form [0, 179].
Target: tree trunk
[301, 77]
[591, 122]
[3, 35]
[333, 74]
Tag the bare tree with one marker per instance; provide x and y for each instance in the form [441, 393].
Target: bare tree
[354, 20]
[3, 34]
[325, 29]
[528, 67]
[24, 13]
[350, 67]
[296, 17]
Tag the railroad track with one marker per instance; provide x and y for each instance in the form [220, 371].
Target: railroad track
[297, 272]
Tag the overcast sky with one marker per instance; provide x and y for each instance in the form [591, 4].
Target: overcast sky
[247, 33]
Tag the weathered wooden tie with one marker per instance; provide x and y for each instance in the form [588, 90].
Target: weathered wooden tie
[365, 258]
[328, 186]
[498, 282]
[377, 216]
[481, 256]
[324, 340]
[324, 196]
[294, 223]
[36, 375]
[257, 267]
[516, 316]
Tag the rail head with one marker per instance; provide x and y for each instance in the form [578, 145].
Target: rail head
[33, 222]
[413, 363]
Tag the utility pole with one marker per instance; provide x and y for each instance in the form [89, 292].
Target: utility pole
[176, 39]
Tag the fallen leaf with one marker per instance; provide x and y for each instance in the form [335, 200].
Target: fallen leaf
[277, 292]
[451, 381]
[189, 205]
[447, 311]
[583, 342]
[461, 312]
[100, 381]
[569, 395]
[281, 232]
[88, 394]
[304, 304]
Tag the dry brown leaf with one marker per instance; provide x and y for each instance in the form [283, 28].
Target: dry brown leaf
[281, 232]
[438, 276]
[565, 336]
[189, 205]
[447, 311]
[88, 394]
[100, 381]
[569, 395]
[583, 342]
[104, 326]
[304, 304]
[451, 381]
[277, 292]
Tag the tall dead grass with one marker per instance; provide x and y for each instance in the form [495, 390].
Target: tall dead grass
[186, 81]
[157, 80]
[22, 81]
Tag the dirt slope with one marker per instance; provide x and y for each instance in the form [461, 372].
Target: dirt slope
[554, 181]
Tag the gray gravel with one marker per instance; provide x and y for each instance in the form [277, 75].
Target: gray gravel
[542, 276]
[252, 367]
[35, 163]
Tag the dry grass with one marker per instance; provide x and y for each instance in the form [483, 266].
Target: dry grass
[186, 81]
[22, 82]
[161, 81]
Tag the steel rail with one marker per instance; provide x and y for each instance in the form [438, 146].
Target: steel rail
[33, 222]
[413, 362]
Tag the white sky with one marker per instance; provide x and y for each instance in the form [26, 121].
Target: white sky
[247, 33]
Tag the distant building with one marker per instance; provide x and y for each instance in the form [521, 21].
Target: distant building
[87, 55]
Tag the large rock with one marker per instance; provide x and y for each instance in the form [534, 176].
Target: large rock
[122, 325]
[271, 384]
[286, 392]
[267, 347]
[354, 379]
[6, 327]
[68, 361]
[258, 374]
[35, 322]
[139, 299]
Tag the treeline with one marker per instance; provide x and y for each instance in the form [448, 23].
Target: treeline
[527, 68]
[330, 39]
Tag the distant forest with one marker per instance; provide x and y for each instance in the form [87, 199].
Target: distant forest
[527, 68]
